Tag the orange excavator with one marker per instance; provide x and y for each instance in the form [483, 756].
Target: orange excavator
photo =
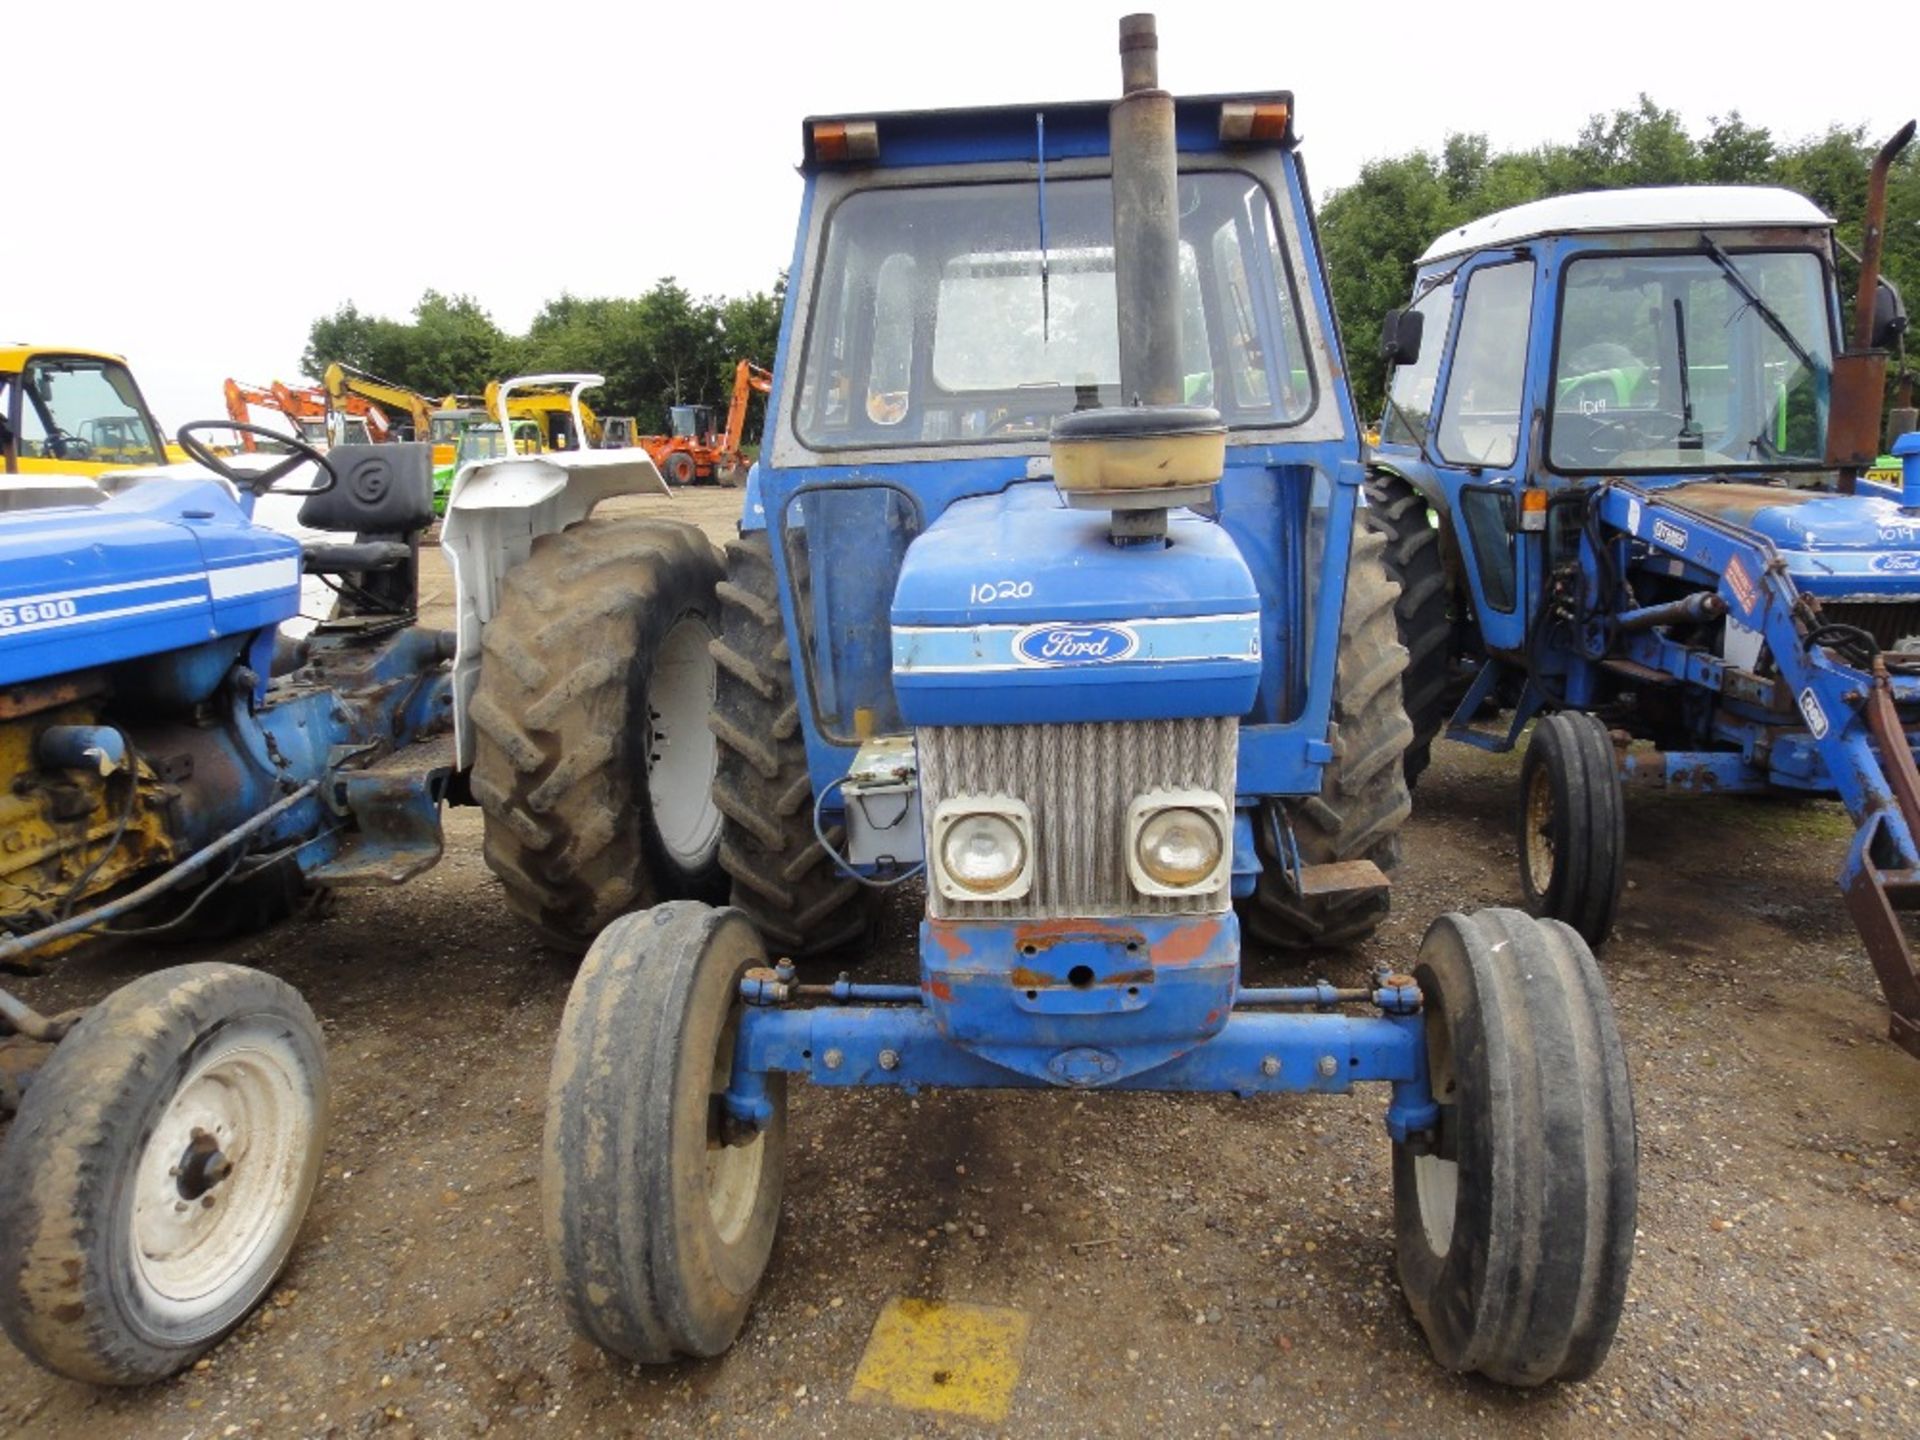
[307, 408]
[694, 450]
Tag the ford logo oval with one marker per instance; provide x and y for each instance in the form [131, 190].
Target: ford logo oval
[1075, 644]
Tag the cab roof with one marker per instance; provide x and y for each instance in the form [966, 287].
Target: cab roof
[1669, 207]
[1007, 132]
[16, 355]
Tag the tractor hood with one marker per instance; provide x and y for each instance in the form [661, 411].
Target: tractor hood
[162, 566]
[1017, 593]
[1831, 543]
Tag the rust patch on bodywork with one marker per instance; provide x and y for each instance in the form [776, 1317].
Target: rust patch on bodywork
[1188, 944]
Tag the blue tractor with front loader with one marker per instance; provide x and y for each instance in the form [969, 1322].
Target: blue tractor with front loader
[174, 765]
[1055, 590]
[1625, 472]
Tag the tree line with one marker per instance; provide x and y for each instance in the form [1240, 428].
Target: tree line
[668, 347]
[664, 347]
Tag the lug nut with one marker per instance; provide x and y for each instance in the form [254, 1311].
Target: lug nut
[1270, 1066]
[1329, 1067]
[833, 1059]
[889, 1059]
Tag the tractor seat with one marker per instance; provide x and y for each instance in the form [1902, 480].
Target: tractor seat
[383, 497]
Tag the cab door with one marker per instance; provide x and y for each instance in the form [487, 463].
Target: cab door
[1479, 436]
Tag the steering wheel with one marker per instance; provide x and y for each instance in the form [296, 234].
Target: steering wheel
[1627, 430]
[68, 447]
[1041, 418]
[257, 481]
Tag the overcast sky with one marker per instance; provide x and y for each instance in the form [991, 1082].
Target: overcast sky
[193, 183]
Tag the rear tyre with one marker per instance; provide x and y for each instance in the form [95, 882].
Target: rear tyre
[1422, 612]
[783, 878]
[679, 468]
[157, 1174]
[658, 1221]
[1363, 798]
[593, 763]
[1573, 830]
[1514, 1221]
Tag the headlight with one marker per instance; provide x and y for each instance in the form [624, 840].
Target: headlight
[1179, 842]
[983, 846]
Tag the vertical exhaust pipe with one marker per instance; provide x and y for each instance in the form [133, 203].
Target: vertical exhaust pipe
[1875, 235]
[1146, 223]
[1860, 374]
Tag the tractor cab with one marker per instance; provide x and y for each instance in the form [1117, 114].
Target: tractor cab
[73, 413]
[691, 422]
[1681, 341]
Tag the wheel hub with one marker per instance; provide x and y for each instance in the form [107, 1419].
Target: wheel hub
[201, 1168]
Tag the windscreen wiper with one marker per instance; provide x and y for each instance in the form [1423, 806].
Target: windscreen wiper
[1690, 437]
[1752, 297]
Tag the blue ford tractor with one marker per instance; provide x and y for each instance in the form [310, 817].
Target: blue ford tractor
[173, 765]
[1623, 470]
[1054, 590]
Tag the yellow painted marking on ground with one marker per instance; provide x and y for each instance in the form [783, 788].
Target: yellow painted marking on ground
[948, 1356]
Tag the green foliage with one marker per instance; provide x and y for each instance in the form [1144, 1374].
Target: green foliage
[1375, 229]
[664, 347]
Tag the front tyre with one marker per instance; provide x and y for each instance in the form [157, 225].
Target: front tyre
[659, 1216]
[156, 1176]
[1573, 829]
[1514, 1223]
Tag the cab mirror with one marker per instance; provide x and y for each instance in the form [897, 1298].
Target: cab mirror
[1400, 336]
[1889, 317]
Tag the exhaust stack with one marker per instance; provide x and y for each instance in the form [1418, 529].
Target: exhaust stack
[1152, 451]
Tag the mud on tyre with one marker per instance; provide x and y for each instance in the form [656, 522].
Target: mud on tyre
[1422, 611]
[1363, 799]
[782, 877]
[593, 763]
[155, 1178]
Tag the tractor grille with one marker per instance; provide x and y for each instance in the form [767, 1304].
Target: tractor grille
[1888, 621]
[1078, 780]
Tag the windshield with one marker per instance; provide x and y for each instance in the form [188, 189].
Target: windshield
[940, 316]
[1664, 364]
[82, 409]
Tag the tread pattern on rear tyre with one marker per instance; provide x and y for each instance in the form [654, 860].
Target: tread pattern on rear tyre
[782, 877]
[560, 725]
[64, 1161]
[1423, 610]
[1363, 799]
[1554, 1170]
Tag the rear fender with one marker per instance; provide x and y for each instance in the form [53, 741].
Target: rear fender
[497, 509]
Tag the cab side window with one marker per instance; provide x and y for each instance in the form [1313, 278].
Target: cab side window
[1480, 416]
[1409, 418]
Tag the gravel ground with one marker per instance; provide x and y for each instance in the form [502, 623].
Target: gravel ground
[1189, 1266]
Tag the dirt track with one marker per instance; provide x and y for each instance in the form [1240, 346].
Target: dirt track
[1189, 1266]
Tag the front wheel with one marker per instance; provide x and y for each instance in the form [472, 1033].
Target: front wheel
[1514, 1219]
[1573, 829]
[156, 1176]
[659, 1215]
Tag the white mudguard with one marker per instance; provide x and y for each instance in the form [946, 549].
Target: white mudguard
[496, 509]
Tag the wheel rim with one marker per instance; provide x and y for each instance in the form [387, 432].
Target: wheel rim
[1538, 855]
[733, 1171]
[217, 1186]
[1436, 1184]
[682, 752]
[1436, 1180]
